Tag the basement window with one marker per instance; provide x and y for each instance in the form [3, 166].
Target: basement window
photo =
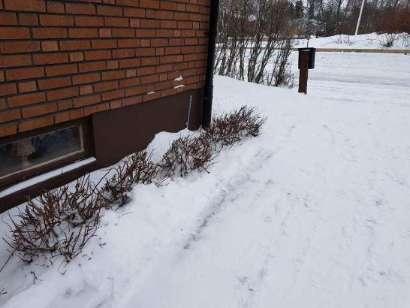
[32, 152]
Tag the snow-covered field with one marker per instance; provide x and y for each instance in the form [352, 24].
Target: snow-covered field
[313, 213]
[361, 41]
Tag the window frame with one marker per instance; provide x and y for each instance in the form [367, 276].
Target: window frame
[55, 163]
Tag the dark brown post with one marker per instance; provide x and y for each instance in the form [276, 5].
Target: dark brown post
[303, 71]
[306, 62]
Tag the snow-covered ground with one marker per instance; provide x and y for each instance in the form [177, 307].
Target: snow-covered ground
[313, 213]
[361, 41]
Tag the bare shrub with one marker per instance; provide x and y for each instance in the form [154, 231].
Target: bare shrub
[59, 222]
[251, 35]
[387, 40]
[186, 154]
[230, 128]
[135, 169]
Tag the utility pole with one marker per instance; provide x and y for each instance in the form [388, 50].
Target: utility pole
[360, 17]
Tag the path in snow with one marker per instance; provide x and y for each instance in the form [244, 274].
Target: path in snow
[313, 213]
[318, 216]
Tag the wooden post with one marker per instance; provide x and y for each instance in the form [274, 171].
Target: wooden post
[303, 72]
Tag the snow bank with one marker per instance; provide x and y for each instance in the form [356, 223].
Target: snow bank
[361, 41]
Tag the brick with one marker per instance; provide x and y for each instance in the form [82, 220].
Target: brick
[89, 21]
[123, 32]
[49, 33]
[7, 89]
[55, 7]
[15, 60]
[144, 52]
[116, 22]
[171, 6]
[35, 123]
[168, 24]
[105, 86]
[92, 66]
[100, 44]
[125, 43]
[160, 14]
[133, 91]
[115, 104]
[62, 117]
[62, 93]
[107, 96]
[96, 108]
[25, 5]
[24, 73]
[8, 129]
[75, 45]
[97, 55]
[112, 65]
[146, 70]
[13, 47]
[133, 12]
[149, 23]
[131, 73]
[65, 104]
[149, 79]
[134, 23]
[53, 83]
[112, 75]
[49, 46]
[152, 4]
[171, 59]
[130, 82]
[86, 100]
[38, 110]
[76, 57]
[159, 42]
[12, 33]
[109, 10]
[132, 62]
[27, 86]
[131, 100]
[185, 25]
[86, 78]
[56, 20]
[28, 19]
[145, 33]
[58, 70]
[50, 58]
[3, 104]
[8, 19]
[80, 8]
[104, 32]
[26, 99]
[172, 50]
[82, 33]
[69, 115]
[149, 61]
[87, 89]
[128, 3]
[123, 53]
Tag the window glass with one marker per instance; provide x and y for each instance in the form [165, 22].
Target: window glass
[39, 150]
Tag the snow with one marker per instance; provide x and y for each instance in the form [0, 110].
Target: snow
[361, 41]
[313, 213]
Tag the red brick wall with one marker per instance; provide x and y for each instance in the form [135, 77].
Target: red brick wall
[64, 60]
